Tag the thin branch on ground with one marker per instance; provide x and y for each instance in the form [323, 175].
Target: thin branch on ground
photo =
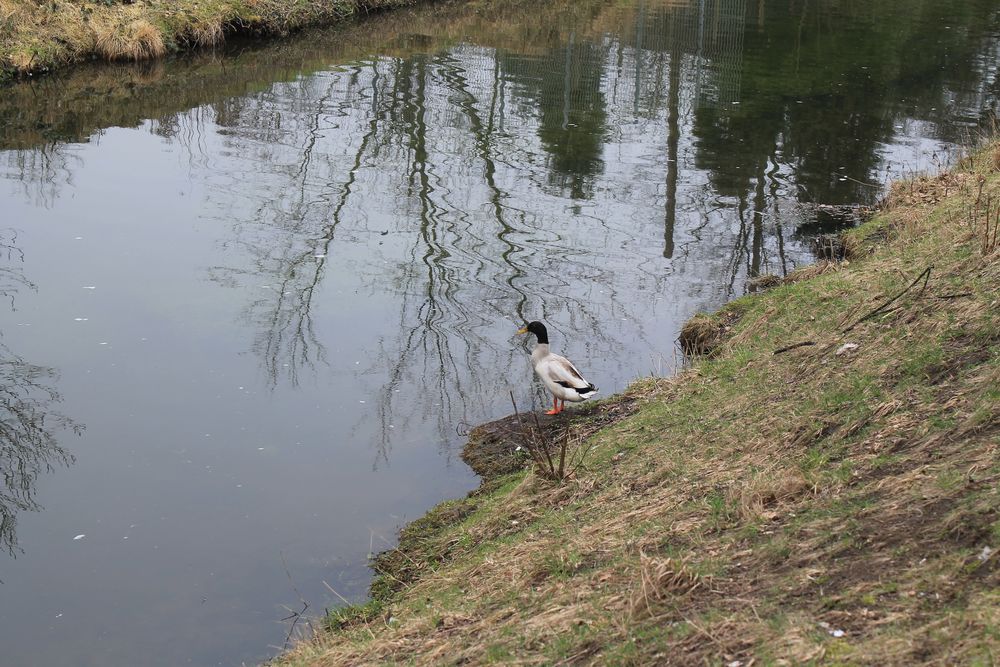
[925, 275]
[793, 346]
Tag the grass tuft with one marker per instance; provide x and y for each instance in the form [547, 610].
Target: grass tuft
[124, 36]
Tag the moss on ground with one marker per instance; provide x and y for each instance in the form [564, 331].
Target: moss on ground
[836, 502]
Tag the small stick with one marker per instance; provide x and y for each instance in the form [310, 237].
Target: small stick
[543, 444]
[804, 343]
[562, 455]
[537, 451]
[870, 185]
[925, 275]
[296, 615]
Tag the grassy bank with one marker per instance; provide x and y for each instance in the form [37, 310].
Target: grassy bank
[822, 487]
[37, 36]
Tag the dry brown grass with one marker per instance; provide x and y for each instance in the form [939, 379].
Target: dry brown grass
[207, 34]
[124, 35]
[660, 580]
[760, 494]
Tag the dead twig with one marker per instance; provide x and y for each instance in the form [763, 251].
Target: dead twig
[925, 275]
[540, 446]
[534, 442]
[793, 346]
[293, 616]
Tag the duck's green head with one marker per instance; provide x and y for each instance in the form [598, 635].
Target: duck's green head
[536, 328]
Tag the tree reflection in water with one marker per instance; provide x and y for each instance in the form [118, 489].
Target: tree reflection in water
[468, 170]
[488, 169]
[28, 443]
[28, 422]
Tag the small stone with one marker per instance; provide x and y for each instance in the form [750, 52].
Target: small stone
[845, 348]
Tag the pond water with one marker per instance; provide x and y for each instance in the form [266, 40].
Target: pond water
[251, 298]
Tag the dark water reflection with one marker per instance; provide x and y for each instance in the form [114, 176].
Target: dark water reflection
[276, 281]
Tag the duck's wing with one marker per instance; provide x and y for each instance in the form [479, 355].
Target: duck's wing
[561, 371]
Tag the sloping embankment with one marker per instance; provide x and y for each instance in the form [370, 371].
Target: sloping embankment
[37, 36]
[824, 487]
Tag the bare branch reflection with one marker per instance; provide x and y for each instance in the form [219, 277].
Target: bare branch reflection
[28, 442]
[12, 276]
[29, 423]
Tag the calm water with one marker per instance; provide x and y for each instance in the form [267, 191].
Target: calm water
[250, 298]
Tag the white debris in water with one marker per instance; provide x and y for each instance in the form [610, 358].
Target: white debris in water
[79, 537]
[77, 238]
[90, 287]
[80, 319]
[845, 348]
[58, 615]
[104, 343]
[319, 256]
[360, 401]
[260, 449]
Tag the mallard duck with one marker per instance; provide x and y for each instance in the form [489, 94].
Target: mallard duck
[558, 373]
